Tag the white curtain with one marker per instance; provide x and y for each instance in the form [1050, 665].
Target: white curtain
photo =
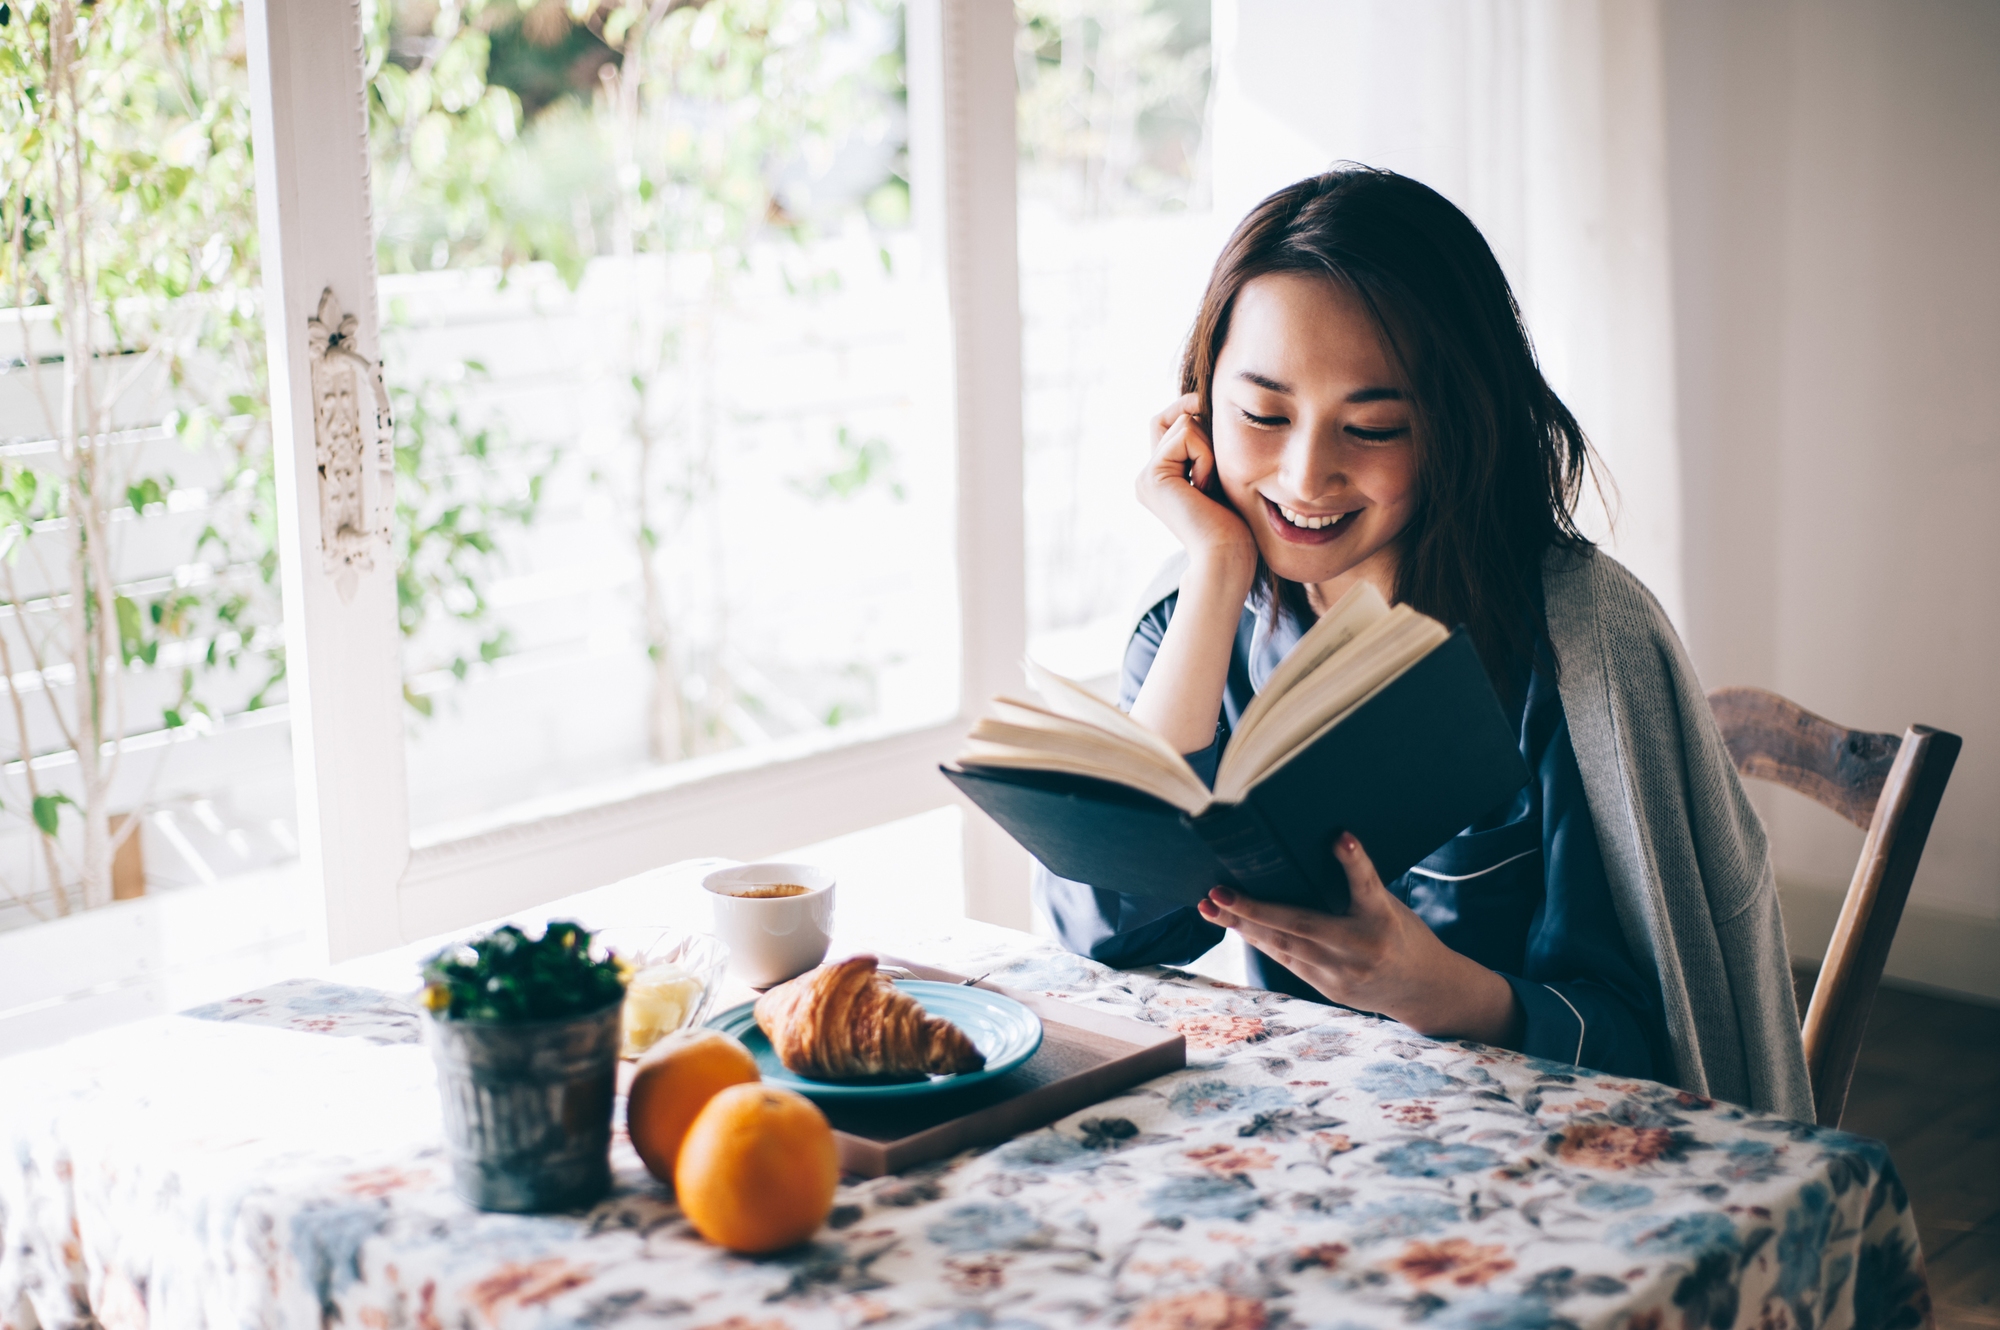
[1544, 120]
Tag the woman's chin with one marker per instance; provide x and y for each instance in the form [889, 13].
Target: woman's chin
[1308, 564]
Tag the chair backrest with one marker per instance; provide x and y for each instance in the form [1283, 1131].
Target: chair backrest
[1889, 785]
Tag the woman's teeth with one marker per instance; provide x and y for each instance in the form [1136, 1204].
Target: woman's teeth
[1306, 523]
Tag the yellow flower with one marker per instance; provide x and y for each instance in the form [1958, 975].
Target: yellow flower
[436, 997]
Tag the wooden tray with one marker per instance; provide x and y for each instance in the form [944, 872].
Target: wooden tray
[1086, 1057]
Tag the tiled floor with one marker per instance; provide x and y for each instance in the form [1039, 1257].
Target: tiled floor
[1928, 1085]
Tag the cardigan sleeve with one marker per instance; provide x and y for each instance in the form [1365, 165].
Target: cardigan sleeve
[1112, 927]
[1685, 854]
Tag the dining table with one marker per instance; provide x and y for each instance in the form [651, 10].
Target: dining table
[277, 1159]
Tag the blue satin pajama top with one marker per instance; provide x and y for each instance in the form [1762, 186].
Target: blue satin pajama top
[1522, 891]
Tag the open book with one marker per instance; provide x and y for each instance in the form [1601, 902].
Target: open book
[1380, 722]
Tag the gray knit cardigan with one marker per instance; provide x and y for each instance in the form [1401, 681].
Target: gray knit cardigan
[1684, 852]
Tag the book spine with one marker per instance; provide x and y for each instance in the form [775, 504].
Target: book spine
[1257, 861]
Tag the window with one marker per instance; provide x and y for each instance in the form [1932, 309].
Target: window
[757, 360]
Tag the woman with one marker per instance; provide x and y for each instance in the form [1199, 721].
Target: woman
[1362, 404]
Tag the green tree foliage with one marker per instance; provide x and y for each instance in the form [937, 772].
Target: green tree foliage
[1113, 100]
[160, 133]
[163, 131]
[505, 132]
[451, 513]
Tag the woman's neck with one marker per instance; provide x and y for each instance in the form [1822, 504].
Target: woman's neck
[1379, 570]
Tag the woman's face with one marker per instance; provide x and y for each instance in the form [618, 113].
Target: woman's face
[1312, 430]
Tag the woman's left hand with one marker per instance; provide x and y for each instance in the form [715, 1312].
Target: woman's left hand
[1378, 957]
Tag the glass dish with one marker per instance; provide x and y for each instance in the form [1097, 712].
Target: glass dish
[674, 978]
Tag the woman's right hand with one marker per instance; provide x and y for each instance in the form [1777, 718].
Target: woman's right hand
[1175, 483]
[1182, 694]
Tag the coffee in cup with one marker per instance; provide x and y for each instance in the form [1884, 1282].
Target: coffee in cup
[775, 918]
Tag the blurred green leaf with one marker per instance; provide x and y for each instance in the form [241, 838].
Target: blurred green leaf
[47, 806]
[131, 627]
[144, 493]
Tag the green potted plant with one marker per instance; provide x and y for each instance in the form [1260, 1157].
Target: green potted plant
[525, 1032]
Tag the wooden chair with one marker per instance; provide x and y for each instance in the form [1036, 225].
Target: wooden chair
[1889, 785]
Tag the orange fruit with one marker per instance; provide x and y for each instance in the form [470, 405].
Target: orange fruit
[758, 1169]
[672, 1084]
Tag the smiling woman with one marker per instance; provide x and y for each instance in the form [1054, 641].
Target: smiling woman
[1361, 403]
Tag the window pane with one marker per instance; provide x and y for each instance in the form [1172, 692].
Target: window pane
[1116, 242]
[667, 370]
[143, 726]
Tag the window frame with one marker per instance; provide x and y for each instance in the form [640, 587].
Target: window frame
[343, 648]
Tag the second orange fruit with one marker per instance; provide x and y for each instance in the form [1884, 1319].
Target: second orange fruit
[758, 1169]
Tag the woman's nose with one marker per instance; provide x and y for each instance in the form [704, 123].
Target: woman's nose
[1310, 467]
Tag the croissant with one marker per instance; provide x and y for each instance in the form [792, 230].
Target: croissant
[844, 1021]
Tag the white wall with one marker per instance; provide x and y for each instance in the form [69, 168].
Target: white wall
[1544, 123]
[1810, 487]
[1835, 183]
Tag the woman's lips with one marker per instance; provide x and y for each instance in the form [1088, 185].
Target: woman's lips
[1298, 535]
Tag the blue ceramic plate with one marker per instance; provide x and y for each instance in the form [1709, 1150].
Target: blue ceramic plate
[1001, 1028]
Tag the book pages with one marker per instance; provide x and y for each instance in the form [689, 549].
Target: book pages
[1371, 659]
[1361, 608]
[977, 753]
[1023, 725]
[1072, 699]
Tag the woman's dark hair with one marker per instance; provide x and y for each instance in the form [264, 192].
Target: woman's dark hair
[1500, 460]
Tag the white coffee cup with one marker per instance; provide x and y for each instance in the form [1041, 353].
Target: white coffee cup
[772, 938]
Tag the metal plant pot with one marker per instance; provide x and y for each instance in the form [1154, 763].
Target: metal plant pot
[527, 1108]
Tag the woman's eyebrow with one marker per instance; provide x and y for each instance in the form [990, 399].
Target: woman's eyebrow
[1265, 382]
[1355, 398]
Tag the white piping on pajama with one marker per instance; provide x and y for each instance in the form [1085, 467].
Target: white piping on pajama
[1467, 877]
[1578, 1059]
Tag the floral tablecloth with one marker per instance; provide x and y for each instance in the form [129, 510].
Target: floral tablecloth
[275, 1160]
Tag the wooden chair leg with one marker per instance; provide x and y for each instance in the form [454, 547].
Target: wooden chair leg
[1845, 991]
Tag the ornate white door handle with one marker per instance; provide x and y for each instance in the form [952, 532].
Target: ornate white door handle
[353, 444]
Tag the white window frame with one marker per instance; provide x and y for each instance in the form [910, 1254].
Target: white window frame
[343, 653]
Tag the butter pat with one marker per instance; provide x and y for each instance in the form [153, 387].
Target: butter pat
[657, 1002]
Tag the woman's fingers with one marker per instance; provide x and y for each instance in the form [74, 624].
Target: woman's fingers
[1290, 949]
[1287, 949]
[1192, 451]
[1187, 404]
[1365, 892]
[1265, 914]
[1378, 957]
[1298, 931]
[1173, 486]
